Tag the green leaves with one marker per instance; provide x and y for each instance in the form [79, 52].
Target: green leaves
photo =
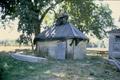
[84, 14]
[89, 16]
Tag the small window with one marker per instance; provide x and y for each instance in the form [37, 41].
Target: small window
[117, 38]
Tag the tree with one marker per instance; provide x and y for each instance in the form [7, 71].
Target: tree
[89, 17]
[30, 13]
[85, 14]
[24, 39]
[8, 7]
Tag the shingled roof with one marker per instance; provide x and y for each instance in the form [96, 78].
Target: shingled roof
[62, 32]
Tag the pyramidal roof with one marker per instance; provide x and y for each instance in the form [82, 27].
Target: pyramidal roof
[61, 32]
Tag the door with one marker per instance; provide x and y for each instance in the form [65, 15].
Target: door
[60, 50]
[69, 50]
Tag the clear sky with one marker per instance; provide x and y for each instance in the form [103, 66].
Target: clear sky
[11, 33]
[115, 7]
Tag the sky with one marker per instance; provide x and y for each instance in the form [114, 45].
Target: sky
[114, 5]
[12, 34]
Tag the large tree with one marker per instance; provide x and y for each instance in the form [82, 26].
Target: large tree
[30, 13]
[85, 14]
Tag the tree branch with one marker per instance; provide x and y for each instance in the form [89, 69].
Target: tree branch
[37, 30]
[46, 11]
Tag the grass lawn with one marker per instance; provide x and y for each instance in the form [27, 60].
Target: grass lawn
[92, 68]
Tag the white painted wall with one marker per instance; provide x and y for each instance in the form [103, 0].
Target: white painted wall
[78, 51]
[113, 44]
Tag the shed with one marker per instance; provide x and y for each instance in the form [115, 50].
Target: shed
[114, 43]
[62, 41]
[114, 48]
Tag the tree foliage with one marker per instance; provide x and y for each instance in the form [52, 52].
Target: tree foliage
[88, 16]
[24, 39]
[30, 13]
[8, 7]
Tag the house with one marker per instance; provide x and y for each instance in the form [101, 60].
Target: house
[62, 41]
[114, 43]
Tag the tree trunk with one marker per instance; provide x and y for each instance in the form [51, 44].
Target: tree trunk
[38, 26]
[37, 29]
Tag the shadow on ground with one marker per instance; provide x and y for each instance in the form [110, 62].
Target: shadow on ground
[92, 68]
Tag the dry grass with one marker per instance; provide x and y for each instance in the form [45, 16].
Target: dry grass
[92, 68]
[13, 48]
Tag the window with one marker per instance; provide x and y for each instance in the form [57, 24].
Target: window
[117, 38]
[116, 44]
[116, 47]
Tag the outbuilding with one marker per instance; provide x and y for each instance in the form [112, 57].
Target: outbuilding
[62, 41]
[114, 48]
[114, 43]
